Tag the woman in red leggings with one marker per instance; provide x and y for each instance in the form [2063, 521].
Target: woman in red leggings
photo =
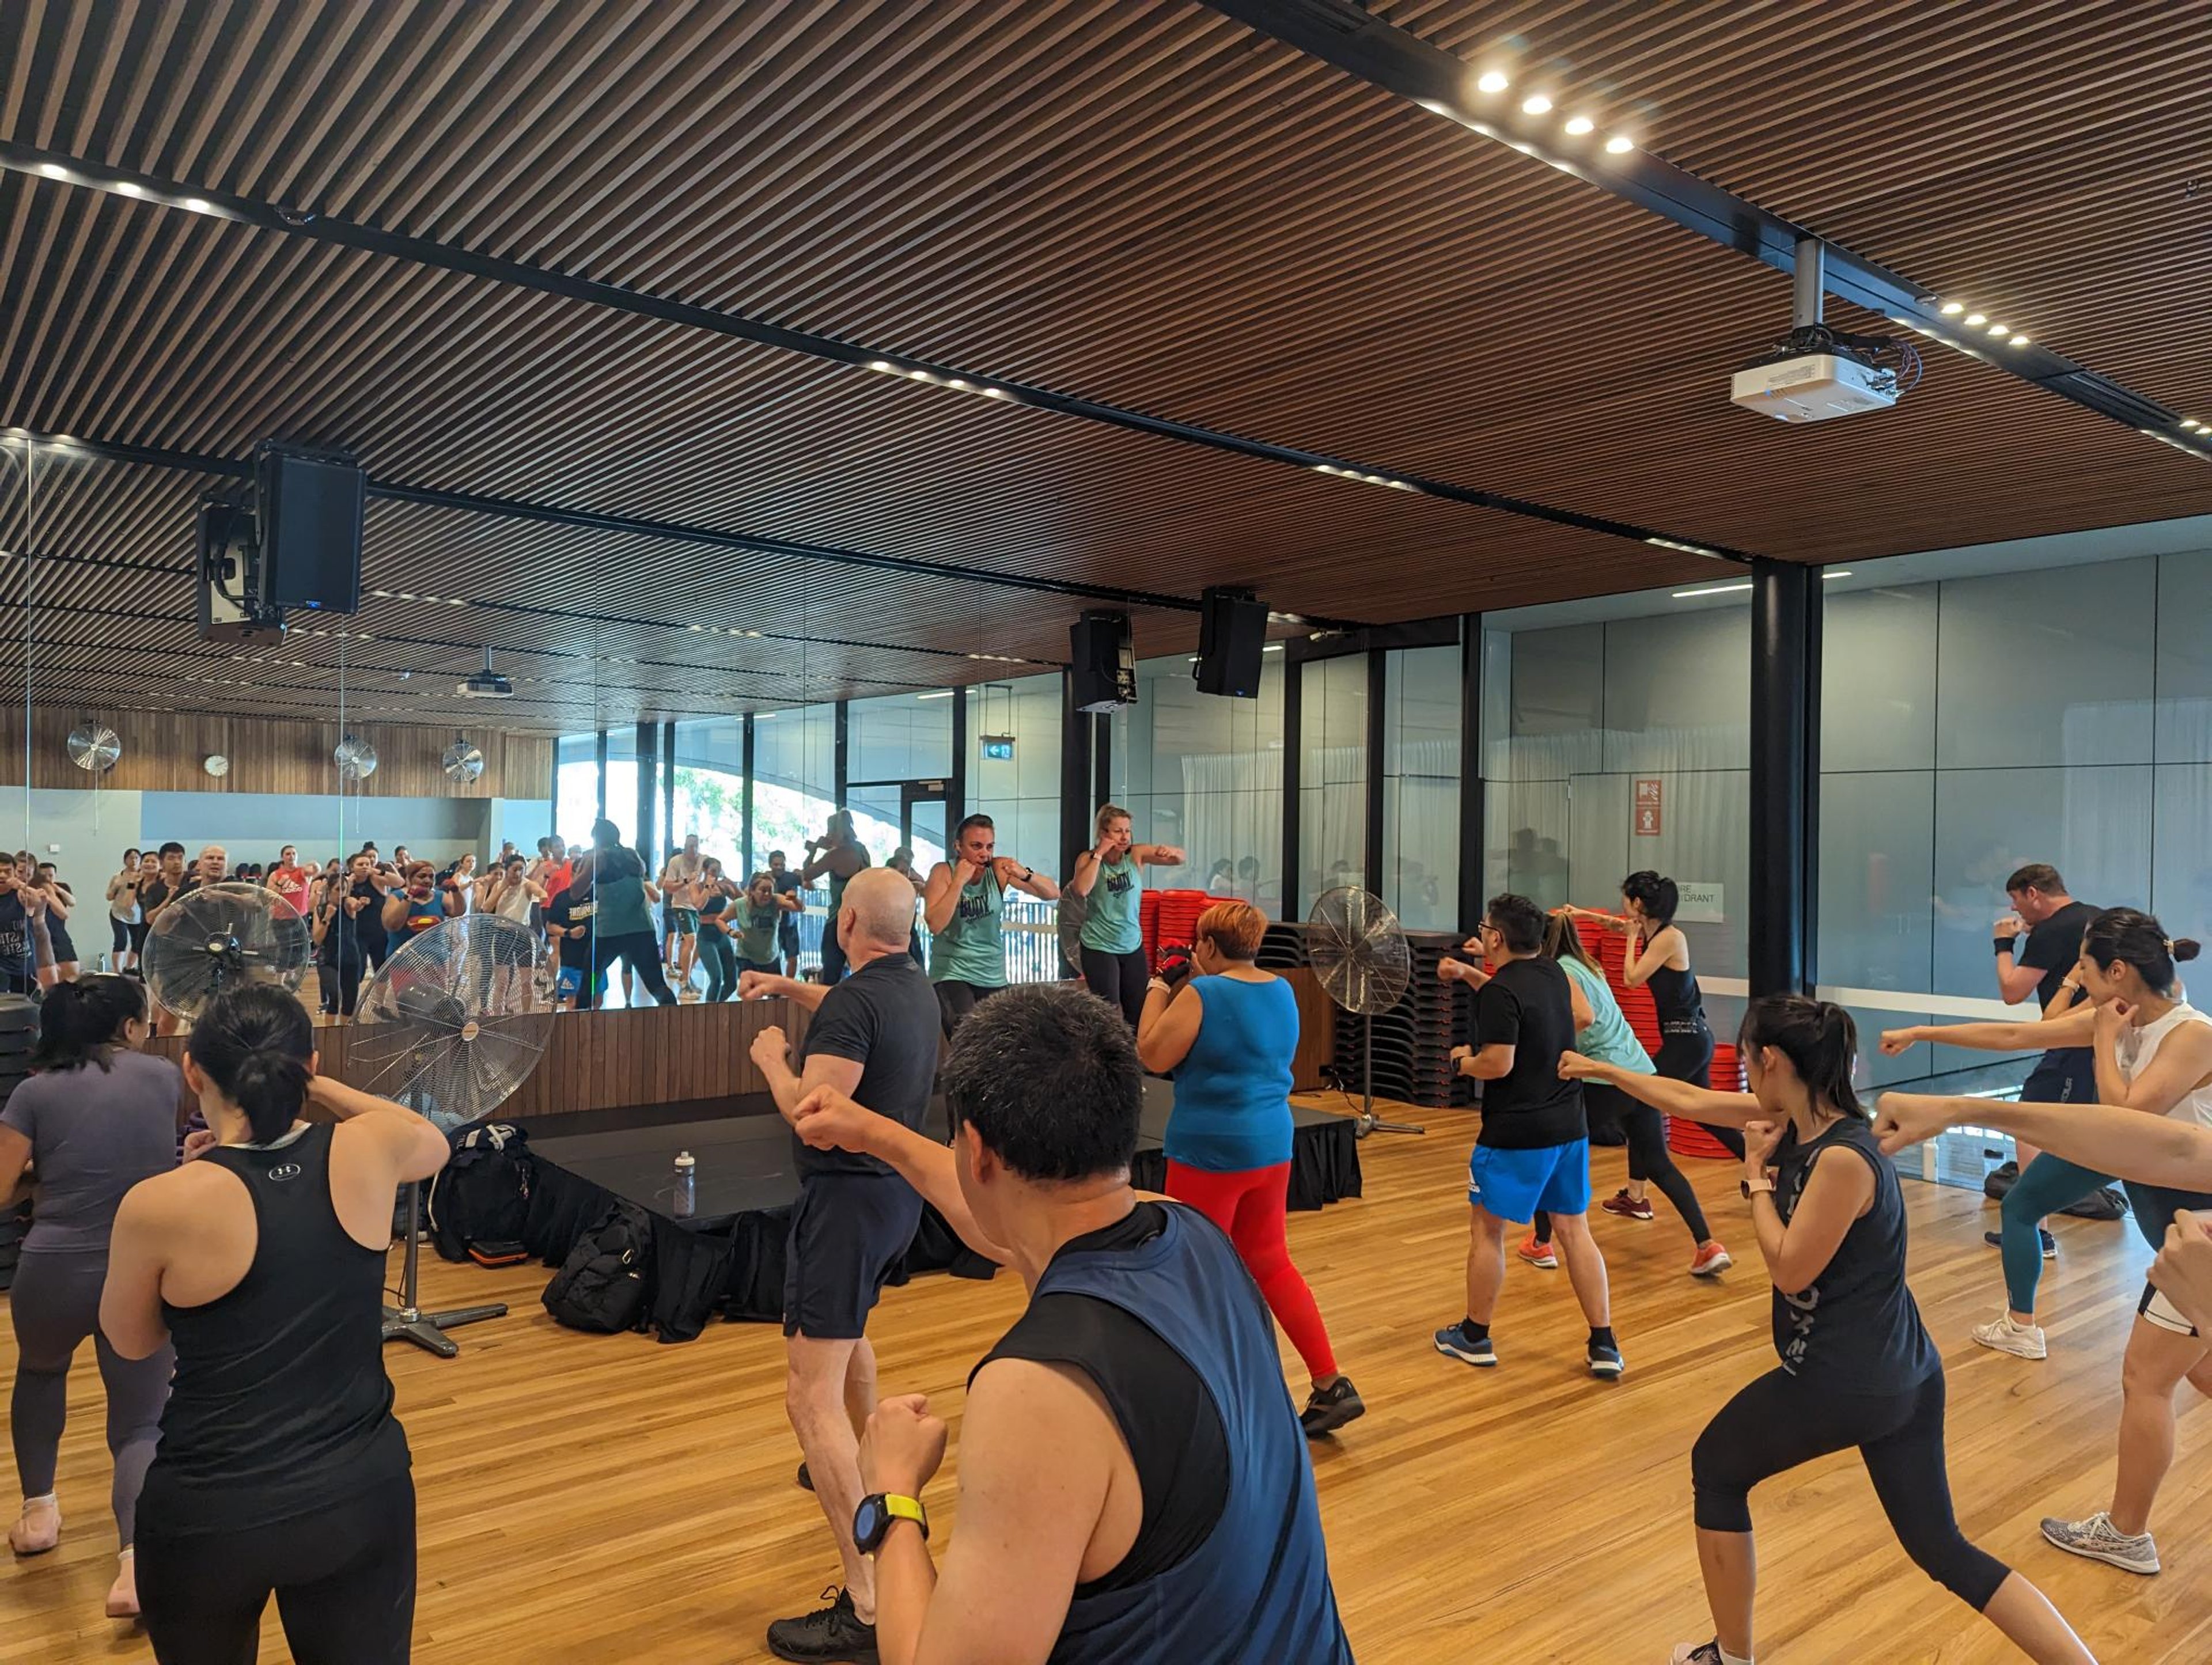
[1228, 1036]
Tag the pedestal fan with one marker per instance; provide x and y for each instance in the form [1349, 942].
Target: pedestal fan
[223, 936]
[450, 1027]
[1357, 951]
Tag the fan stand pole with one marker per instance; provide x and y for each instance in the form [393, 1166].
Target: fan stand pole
[1369, 1122]
[408, 1321]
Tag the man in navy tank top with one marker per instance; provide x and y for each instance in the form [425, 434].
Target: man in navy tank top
[1134, 1482]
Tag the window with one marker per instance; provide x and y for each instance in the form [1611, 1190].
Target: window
[1205, 772]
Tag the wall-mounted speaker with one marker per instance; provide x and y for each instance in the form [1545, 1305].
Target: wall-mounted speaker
[1102, 662]
[307, 508]
[1232, 635]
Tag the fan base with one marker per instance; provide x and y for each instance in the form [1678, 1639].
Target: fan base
[427, 1329]
[1368, 1122]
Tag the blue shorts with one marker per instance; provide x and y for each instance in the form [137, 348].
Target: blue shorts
[1514, 1184]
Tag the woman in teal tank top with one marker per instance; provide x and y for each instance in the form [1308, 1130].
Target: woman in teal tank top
[1601, 1032]
[963, 903]
[1228, 1036]
[1110, 878]
[621, 919]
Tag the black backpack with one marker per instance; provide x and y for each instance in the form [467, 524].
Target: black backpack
[602, 1285]
[482, 1196]
[2107, 1202]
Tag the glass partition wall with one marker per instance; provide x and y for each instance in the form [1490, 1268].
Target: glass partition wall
[1974, 723]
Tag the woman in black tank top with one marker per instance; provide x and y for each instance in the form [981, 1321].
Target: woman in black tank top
[1856, 1367]
[281, 1468]
[1659, 958]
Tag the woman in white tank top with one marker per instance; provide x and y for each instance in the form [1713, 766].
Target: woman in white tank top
[2154, 1054]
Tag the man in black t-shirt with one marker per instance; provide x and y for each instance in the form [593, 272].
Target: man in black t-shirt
[1534, 1149]
[2037, 943]
[787, 931]
[873, 1036]
[18, 957]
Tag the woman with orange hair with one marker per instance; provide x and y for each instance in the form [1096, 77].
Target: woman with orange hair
[1228, 1035]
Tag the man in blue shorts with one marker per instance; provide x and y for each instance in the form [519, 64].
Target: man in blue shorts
[1534, 1149]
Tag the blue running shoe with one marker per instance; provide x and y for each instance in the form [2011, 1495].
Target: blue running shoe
[1456, 1343]
[1605, 1361]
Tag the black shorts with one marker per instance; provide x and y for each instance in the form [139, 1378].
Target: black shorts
[786, 934]
[848, 1234]
[2069, 1077]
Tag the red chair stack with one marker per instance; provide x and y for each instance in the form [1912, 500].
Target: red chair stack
[1610, 950]
[1172, 918]
[1148, 913]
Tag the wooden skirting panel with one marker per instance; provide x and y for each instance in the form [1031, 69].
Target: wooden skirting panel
[618, 1060]
[1316, 1029]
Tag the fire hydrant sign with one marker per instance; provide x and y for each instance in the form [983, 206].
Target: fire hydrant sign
[1649, 800]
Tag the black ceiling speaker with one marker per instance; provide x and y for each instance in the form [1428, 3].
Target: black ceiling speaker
[1102, 662]
[308, 516]
[1232, 635]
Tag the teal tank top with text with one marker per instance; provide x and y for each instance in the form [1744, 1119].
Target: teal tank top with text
[970, 948]
[1112, 924]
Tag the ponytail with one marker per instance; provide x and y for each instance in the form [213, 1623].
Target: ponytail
[1819, 1039]
[254, 1043]
[2130, 936]
[80, 1023]
[1659, 897]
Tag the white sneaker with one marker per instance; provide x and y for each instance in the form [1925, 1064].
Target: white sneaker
[2001, 1334]
[2100, 1541]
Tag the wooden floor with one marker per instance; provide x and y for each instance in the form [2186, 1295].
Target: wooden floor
[594, 1499]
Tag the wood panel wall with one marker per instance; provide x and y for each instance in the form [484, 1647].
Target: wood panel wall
[617, 1059]
[165, 751]
[1316, 1030]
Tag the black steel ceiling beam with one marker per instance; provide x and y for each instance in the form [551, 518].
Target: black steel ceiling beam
[306, 222]
[517, 508]
[1396, 60]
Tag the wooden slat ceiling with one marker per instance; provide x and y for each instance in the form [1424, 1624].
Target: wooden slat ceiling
[1136, 200]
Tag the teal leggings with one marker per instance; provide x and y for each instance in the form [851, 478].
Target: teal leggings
[2049, 1185]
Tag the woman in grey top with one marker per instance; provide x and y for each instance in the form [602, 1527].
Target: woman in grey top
[99, 1116]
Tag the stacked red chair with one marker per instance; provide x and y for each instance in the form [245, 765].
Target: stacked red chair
[1148, 913]
[1610, 950]
[1174, 918]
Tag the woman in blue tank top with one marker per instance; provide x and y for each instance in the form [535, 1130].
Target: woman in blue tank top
[1856, 1367]
[1228, 1034]
[281, 1468]
[1110, 878]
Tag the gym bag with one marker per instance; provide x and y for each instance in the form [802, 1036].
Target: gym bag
[2107, 1202]
[483, 1193]
[601, 1287]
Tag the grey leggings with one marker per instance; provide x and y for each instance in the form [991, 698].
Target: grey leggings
[54, 1304]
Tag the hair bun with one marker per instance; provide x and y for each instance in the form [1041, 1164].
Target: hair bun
[2184, 948]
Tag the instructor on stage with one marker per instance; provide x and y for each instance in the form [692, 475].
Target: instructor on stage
[963, 903]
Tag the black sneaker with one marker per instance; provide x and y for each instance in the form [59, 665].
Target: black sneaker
[830, 1633]
[1329, 1409]
[1996, 1240]
[805, 1479]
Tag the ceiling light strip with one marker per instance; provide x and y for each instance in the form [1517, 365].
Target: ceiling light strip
[1399, 61]
[301, 222]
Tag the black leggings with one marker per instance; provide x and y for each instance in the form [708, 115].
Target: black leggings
[338, 978]
[639, 951]
[343, 1578]
[1118, 979]
[721, 959]
[1781, 1422]
[956, 1001]
[1685, 1053]
[1647, 1156]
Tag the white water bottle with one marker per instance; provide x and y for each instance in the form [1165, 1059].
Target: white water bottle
[687, 1193]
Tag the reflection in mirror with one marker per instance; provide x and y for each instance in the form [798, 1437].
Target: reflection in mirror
[18, 954]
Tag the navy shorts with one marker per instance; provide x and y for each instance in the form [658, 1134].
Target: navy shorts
[849, 1234]
[1514, 1184]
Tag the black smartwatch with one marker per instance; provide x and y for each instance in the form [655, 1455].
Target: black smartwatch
[873, 1518]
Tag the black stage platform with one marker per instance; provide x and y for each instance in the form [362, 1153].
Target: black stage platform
[728, 1257]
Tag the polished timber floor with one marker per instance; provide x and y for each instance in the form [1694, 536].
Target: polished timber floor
[589, 1498]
